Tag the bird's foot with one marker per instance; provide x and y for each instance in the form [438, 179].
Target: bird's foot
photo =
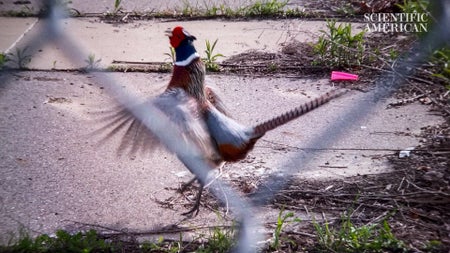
[196, 208]
[193, 212]
[184, 186]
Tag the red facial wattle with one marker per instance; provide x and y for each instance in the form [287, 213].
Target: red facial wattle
[177, 37]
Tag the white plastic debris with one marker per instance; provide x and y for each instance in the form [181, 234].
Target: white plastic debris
[182, 174]
[406, 152]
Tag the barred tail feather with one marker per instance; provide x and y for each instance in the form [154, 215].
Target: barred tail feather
[261, 129]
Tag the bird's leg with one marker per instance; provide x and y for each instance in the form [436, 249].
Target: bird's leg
[221, 168]
[196, 208]
[186, 185]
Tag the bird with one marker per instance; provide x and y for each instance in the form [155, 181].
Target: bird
[198, 111]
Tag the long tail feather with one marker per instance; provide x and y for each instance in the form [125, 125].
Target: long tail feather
[273, 123]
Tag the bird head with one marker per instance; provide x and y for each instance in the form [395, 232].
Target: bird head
[182, 41]
[179, 35]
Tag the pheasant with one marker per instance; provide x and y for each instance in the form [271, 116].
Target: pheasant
[198, 111]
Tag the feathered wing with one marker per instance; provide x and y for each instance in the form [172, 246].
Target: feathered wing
[213, 95]
[181, 110]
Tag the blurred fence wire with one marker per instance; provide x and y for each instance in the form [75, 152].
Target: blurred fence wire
[168, 134]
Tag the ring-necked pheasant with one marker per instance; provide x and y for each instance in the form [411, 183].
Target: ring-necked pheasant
[199, 113]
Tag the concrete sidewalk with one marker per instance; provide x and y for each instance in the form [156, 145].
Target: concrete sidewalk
[141, 41]
[139, 6]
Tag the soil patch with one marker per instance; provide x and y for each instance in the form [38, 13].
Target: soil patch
[414, 198]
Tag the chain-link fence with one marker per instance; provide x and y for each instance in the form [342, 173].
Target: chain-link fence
[190, 156]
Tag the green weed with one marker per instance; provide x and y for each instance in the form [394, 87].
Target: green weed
[282, 220]
[296, 12]
[434, 246]
[171, 54]
[350, 238]
[337, 47]
[265, 8]
[440, 60]
[221, 10]
[220, 240]
[414, 6]
[260, 8]
[189, 10]
[92, 62]
[116, 9]
[117, 6]
[393, 54]
[211, 57]
[21, 57]
[272, 66]
[3, 60]
[418, 6]
[163, 246]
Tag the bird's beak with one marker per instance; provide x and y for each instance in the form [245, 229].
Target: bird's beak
[168, 32]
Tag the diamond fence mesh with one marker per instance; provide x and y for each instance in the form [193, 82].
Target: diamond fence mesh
[170, 136]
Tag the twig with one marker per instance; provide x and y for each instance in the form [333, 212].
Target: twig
[161, 230]
[432, 99]
[301, 233]
[427, 191]
[406, 101]
[378, 218]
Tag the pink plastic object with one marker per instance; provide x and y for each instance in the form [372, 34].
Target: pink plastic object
[336, 76]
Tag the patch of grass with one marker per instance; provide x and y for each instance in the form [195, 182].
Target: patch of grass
[25, 11]
[296, 12]
[220, 240]
[189, 10]
[414, 6]
[265, 8]
[338, 47]
[211, 57]
[350, 238]
[21, 57]
[61, 242]
[163, 246]
[260, 8]
[418, 6]
[220, 10]
[282, 220]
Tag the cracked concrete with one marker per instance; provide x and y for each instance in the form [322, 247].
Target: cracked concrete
[55, 174]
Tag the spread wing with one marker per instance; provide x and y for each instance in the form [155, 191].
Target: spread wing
[177, 105]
